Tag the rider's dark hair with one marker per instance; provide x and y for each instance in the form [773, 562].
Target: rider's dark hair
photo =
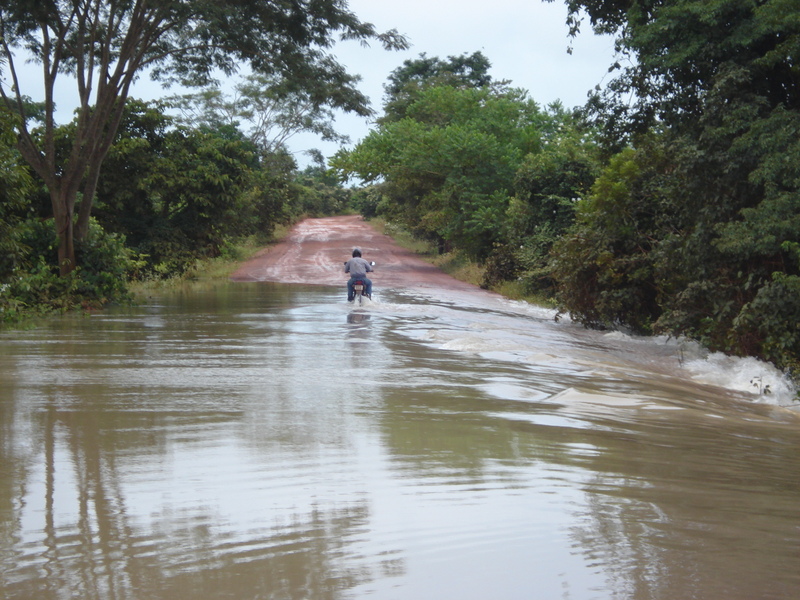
[356, 252]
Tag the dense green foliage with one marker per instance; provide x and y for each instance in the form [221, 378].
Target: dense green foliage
[694, 230]
[14, 185]
[450, 163]
[169, 196]
[670, 203]
[105, 46]
[176, 194]
[473, 165]
[35, 286]
[407, 81]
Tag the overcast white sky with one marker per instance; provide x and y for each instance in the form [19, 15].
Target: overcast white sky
[525, 40]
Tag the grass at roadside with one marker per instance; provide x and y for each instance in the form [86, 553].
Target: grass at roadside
[456, 264]
[212, 269]
[516, 291]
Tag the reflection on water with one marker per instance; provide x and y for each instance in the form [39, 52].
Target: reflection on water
[265, 441]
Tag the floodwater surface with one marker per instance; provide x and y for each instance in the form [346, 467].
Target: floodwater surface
[267, 441]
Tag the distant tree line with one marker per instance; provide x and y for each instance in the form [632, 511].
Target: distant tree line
[669, 204]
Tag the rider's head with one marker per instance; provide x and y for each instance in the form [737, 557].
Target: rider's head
[356, 252]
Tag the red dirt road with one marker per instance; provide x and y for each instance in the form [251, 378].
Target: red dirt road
[315, 250]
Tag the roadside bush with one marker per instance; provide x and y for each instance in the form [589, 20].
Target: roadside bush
[772, 322]
[501, 265]
[36, 288]
[366, 201]
[107, 265]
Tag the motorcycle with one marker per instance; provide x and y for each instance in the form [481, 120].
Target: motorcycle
[359, 289]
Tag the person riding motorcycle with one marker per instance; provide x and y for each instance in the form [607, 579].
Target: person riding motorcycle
[358, 269]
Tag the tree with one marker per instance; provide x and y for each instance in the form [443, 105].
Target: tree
[126, 195]
[683, 49]
[448, 166]
[179, 193]
[15, 183]
[606, 264]
[465, 70]
[275, 110]
[405, 82]
[106, 45]
[547, 189]
[720, 79]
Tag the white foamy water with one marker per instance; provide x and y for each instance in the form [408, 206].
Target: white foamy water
[514, 331]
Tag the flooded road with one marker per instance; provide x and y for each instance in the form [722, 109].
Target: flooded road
[255, 440]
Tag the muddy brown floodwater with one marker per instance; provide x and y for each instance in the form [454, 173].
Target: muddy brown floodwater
[264, 439]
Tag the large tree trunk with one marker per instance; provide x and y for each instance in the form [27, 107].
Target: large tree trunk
[63, 210]
[87, 200]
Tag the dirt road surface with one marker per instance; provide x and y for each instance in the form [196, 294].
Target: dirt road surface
[315, 250]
